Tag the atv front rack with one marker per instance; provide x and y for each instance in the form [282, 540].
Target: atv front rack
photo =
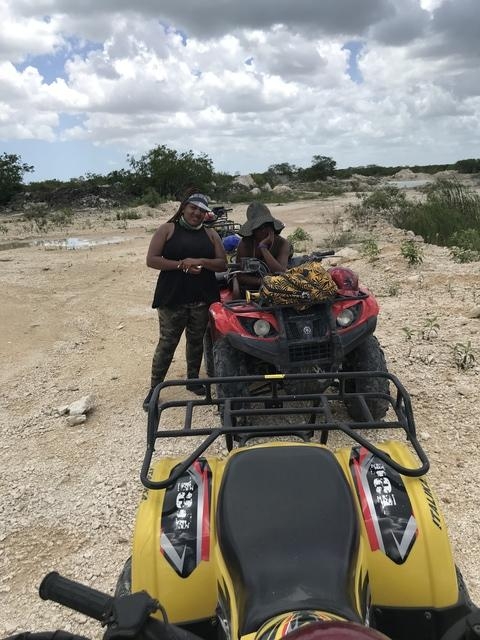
[237, 411]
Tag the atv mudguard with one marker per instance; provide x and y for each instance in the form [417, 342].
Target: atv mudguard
[408, 552]
[403, 560]
[173, 542]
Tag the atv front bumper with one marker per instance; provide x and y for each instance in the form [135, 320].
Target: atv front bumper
[285, 354]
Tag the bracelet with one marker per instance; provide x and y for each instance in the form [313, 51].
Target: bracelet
[179, 265]
[262, 246]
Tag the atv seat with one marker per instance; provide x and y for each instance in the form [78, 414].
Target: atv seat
[288, 533]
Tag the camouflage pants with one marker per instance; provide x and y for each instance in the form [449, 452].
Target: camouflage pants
[191, 318]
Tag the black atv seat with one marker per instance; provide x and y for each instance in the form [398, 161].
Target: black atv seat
[288, 533]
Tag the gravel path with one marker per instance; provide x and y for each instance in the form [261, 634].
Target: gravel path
[79, 322]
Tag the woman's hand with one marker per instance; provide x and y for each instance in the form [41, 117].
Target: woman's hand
[193, 266]
[267, 241]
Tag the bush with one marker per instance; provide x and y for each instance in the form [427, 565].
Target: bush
[370, 249]
[412, 252]
[61, 218]
[386, 203]
[299, 236]
[341, 239]
[450, 216]
[170, 173]
[464, 255]
[151, 198]
[12, 170]
[128, 214]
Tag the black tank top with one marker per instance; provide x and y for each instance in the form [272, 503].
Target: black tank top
[175, 288]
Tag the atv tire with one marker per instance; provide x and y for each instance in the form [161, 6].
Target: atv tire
[208, 362]
[229, 362]
[368, 356]
[124, 582]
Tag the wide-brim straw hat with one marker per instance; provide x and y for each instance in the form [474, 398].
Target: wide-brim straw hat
[258, 214]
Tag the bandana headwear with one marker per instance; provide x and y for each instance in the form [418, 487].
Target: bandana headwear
[186, 225]
[199, 200]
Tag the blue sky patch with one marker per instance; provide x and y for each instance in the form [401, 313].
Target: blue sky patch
[354, 47]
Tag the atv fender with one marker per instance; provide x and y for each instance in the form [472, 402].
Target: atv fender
[409, 555]
[173, 542]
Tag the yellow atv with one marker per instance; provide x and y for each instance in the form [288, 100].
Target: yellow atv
[280, 534]
[277, 534]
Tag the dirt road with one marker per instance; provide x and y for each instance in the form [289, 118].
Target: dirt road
[78, 322]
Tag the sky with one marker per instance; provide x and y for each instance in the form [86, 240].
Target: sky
[250, 83]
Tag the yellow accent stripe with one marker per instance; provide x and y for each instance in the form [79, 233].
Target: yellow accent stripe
[274, 376]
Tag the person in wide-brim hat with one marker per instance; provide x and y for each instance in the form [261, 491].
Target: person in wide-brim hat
[262, 240]
[259, 214]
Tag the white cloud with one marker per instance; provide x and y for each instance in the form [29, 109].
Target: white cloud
[247, 83]
[23, 36]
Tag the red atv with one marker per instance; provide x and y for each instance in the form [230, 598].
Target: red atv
[250, 338]
[218, 220]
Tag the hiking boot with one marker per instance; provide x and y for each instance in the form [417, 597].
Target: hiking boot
[147, 400]
[197, 388]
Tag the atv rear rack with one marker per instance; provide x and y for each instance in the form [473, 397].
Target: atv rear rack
[275, 403]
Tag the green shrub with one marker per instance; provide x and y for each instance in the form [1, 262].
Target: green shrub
[463, 256]
[151, 197]
[37, 216]
[450, 216]
[467, 239]
[464, 355]
[412, 252]
[299, 237]
[12, 170]
[340, 239]
[381, 203]
[370, 250]
[61, 218]
[128, 214]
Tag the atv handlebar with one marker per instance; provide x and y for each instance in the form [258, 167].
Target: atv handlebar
[124, 616]
[130, 616]
[75, 596]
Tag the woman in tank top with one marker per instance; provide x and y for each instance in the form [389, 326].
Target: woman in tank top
[187, 254]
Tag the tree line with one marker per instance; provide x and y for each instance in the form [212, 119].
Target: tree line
[166, 173]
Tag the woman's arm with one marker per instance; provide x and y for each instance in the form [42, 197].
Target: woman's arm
[280, 263]
[155, 260]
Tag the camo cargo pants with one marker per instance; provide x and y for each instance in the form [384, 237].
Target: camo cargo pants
[191, 318]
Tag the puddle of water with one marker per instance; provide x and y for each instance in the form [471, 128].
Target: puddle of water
[64, 243]
[75, 243]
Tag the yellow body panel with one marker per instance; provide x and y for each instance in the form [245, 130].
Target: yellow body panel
[427, 578]
[184, 599]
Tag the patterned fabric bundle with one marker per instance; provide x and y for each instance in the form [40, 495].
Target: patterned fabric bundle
[301, 286]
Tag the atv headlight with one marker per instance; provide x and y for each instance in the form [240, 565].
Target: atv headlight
[345, 318]
[261, 328]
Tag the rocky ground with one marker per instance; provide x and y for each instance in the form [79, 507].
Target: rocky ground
[79, 322]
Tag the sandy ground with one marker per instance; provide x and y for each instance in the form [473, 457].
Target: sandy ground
[75, 322]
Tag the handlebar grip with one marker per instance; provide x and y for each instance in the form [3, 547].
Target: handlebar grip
[59, 634]
[75, 596]
[323, 254]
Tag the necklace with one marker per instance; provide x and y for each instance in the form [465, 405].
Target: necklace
[183, 223]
